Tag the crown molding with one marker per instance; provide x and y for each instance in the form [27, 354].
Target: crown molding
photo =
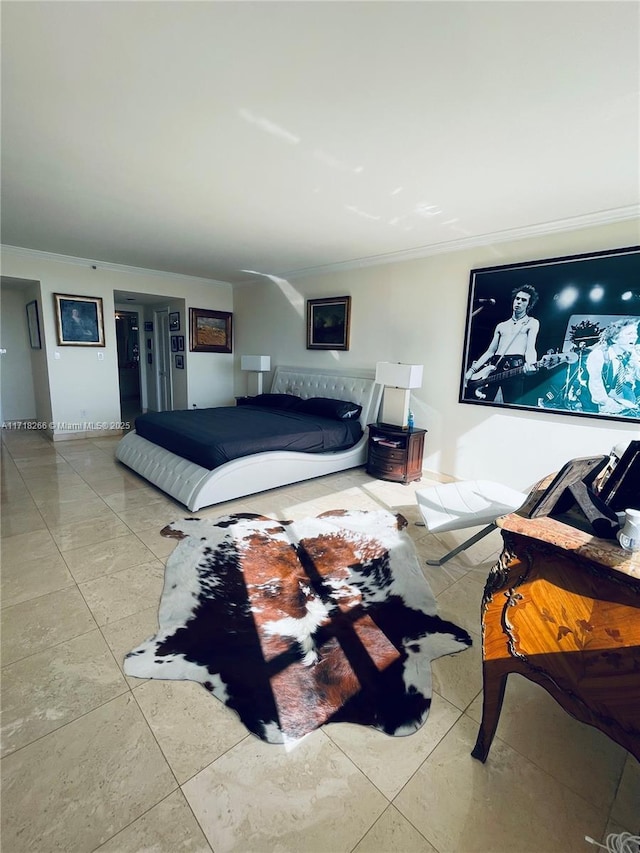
[104, 265]
[575, 223]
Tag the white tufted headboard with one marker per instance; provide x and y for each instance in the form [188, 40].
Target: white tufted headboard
[357, 386]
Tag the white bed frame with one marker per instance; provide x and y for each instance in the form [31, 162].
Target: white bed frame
[197, 487]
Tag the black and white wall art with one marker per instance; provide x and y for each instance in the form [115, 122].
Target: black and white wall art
[559, 335]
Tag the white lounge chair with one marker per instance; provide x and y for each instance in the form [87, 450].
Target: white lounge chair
[468, 503]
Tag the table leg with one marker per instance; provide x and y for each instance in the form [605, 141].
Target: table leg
[493, 688]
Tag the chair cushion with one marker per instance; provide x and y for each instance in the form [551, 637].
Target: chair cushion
[454, 506]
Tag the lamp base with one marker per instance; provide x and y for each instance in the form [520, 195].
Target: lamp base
[254, 383]
[395, 407]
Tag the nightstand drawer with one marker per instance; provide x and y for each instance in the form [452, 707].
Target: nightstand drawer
[380, 467]
[386, 454]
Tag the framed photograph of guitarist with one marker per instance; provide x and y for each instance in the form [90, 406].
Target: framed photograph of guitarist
[558, 335]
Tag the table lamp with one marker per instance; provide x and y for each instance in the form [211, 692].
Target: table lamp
[258, 364]
[397, 379]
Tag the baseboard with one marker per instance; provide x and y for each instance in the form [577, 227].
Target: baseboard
[93, 433]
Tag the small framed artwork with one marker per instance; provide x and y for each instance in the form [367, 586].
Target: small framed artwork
[174, 321]
[149, 358]
[148, 326]
[174, 343]
[149, 343]
[558, 335]
[210, 331]
[328, 323]
[79, 320]
[180, 343]
[180, 362]
[33, 324]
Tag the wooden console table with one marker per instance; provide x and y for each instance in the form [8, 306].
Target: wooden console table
[562, 608]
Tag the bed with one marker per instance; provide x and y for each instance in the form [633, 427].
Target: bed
[198, 485]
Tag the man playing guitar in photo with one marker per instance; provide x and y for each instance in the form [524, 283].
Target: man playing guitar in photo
[512, 348]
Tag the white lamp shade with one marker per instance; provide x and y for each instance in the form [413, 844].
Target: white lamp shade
[399, 375]
[255, 362]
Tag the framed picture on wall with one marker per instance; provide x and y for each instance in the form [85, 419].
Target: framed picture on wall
[33, 324]
[180, 362]
[174, 343]
[210, 331]
[174, 321]
[180, 339]
[328, 323]
[79, 320]
[560, 335]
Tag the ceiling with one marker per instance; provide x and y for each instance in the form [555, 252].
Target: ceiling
[211, 138]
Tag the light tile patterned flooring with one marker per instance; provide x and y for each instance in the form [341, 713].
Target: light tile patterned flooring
[93, 760]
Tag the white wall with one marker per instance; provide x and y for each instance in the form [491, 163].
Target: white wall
[415, 312]
[84, 387]
[412, 311]
[17, 398]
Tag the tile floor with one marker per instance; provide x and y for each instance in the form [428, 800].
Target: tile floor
[92, 760]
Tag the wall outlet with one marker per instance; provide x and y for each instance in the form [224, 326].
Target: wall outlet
[100, 356]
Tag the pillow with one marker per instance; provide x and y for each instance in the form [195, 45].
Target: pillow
[276, 401]
[326, 407]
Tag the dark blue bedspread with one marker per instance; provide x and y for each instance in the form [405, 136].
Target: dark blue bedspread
[211, 437]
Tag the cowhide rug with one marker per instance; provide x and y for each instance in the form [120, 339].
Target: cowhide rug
[297, 624]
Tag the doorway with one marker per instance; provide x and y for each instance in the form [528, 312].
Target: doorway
[128, 343]
[163, 356]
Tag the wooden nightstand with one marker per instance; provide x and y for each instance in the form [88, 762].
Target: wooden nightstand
[243, 401]
[395, 454]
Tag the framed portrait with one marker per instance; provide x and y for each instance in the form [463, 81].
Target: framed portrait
[560, 335]
[148, 326]
[328, 323]
[210, 331]
[180, 343]
[79, 320]
[174, 321]
[174, 343]
[180, 362]
[33, 324]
